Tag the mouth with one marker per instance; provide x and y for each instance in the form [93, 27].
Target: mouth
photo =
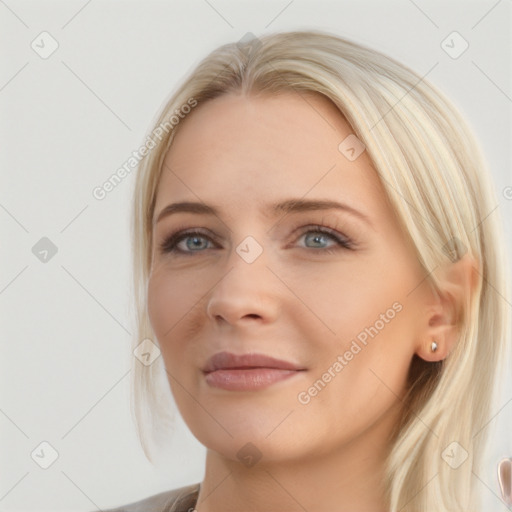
[247, 372]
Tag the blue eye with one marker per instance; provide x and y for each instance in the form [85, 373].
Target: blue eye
[170, 244]
[320, 234]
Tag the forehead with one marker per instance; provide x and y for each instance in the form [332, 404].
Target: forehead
[240, 151]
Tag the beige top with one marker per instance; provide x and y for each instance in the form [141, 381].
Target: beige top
[183, 499]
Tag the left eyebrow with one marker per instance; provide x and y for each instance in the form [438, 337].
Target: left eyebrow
[288, 206]
[304, 205]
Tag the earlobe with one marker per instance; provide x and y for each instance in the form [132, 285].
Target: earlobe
[432, 351]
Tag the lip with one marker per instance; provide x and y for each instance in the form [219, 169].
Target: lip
[228, 360]
[247, 372]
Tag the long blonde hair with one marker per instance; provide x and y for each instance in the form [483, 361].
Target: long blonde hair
[438, 185]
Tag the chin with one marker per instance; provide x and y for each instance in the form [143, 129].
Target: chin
[250, 450]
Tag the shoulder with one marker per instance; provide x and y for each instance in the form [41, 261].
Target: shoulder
[183, 499]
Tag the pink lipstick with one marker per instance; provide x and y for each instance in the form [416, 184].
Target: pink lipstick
[247, 372]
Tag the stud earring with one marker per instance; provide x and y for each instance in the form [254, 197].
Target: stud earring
[433, 347]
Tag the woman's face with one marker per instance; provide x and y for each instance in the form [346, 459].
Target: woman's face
[342, 309]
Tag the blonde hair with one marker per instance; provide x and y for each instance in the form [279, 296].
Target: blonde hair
[439, 187]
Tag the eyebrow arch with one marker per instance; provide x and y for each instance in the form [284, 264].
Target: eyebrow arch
[286, 207]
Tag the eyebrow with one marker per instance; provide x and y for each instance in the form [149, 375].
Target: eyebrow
[286, 207]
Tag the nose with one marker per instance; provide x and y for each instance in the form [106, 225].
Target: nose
[247, 292]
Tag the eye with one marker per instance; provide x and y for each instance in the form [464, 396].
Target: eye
[199, 241]
[341, 242]
[170, 244]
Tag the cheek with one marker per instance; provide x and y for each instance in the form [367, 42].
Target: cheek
[371, 323]
[170, 297]
[341, 301]
[380, 369]
[367, 388]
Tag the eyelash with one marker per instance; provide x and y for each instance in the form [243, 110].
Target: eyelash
[342, 242]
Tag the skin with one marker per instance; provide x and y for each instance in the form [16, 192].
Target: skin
[294, 302]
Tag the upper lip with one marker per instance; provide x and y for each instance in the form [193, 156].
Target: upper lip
[227, 360]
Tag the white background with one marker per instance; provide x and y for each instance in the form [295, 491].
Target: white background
[68, 122]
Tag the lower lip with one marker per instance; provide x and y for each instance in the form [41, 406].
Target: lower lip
[247, 379]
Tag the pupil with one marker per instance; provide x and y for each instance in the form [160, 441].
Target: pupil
[196, 241]
[317, 238]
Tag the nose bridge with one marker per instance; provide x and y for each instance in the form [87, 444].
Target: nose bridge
[245, 289]
[247, 266]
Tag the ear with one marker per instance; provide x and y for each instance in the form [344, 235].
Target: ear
[448, 307]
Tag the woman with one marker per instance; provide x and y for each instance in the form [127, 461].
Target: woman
[316, 260]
